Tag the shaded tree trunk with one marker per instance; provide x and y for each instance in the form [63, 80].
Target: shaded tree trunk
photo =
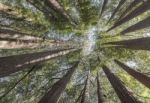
[138, 26]
[135, 44]
[99, 91]
[116, 10]
[130, 7]
[49, 15]
[10, 39]
[124, 95]
[12, 64]
[56, 6]
[55, 92]
[138, 11]
[137, 75]
[85, 95]
[103, 7]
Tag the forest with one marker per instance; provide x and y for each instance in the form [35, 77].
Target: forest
[74, 51]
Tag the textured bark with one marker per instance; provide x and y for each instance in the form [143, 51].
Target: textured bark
[99, 91]
[103, 7]
[56, 6]
[130, 7]
[44, 10]
[137, 75]
[55, 92]
[10, 39]
[15, 63]
[138, 26]
[121, 3]
[138, 11]
[135, 44]
[85, 95]
[124, 95]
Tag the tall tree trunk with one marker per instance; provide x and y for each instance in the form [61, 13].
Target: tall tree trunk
[138, 26]
[137, 75]
[85, 95]
[49, 15]
[99, 91]
[56, 6]
[103, 7]
[12, 64]
[116, 10]
[138, 11]
[55, 92]
[135, 44]
[130, 7]
[122, 92]
[10, 39]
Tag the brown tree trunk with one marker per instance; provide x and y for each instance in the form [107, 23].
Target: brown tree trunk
[130, 7]
[56, 6]
[85, 95]
[99, 91]
[12, 64]
[138, 11]
[122, 92]
[103, 7]
[116, 10]
[135, 44]
[8, 34]
[137, 75]
[138, 26]
[55, 92]
[49, 15]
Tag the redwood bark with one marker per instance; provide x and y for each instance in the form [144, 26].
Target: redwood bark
[138, 11]
[138, 26]
[135, 44]
[137, 75]
[99, 91]
[103, 7]
[15, 63]
[124, 95]
[56, 6]
[121, 3]
[130, 7]
[55, 92]
[85, 95]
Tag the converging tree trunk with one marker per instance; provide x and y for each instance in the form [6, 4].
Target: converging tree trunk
[85, 95]
[121, 3]
[55, 92]
[134, 44]
[130, 7]
[122, 92]
[99, 91]
[12, 64]
[10, 39]
[138, 11]
[103, 7]
[137, 75]
[47, 13]
[56, 6]
[138, 26]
